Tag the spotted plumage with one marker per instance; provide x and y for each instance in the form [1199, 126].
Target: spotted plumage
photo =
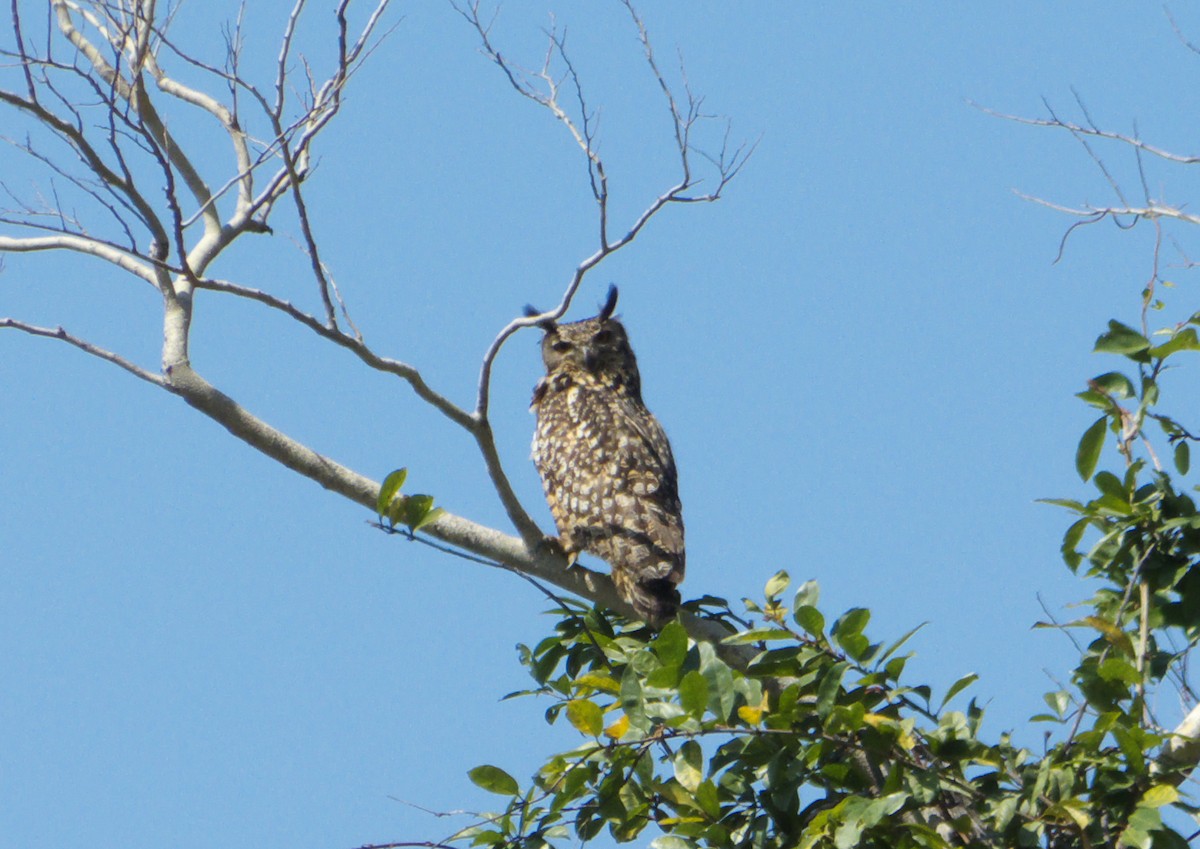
[605, 462]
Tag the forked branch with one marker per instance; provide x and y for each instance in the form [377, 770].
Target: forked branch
[1125, 213]
[174, 218]
[545, 88]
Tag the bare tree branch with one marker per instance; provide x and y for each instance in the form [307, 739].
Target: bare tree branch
[75, 137]
[166, 250]
[1125, 214]
[80, 244]
[1091, 130]
[543, 87]
[353, 344]
[88, 347]
[133, 92]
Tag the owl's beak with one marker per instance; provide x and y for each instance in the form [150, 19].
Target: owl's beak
[590, 361]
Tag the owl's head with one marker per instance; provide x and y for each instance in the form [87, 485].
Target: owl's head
[596, 346]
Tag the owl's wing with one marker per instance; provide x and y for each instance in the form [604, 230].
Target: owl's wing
[651, 488]
[651, 451]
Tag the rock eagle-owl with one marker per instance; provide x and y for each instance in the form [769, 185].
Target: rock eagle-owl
[605, 462]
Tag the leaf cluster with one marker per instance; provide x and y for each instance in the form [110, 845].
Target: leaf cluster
[415, 511]
[1141, 528]
[813, 741]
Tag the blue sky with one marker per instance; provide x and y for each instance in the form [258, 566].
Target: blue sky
[864, 355]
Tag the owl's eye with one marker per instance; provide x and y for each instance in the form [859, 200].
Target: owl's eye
[603, 337]
[560, 345]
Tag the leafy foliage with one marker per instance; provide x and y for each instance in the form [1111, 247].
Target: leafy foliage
[415, 511]
[787, 731]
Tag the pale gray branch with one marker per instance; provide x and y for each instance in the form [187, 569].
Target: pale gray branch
[1149, 212]
[74, 136]
[81, 244]
[353, 344]
[134, 93]
[1122, 138]
[222, 113]
[83, 345]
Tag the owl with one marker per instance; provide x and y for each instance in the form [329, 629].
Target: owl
[605, 462]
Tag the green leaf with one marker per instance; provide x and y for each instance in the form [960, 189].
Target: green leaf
[1114, 384]
[586, 716]
[494, 779]
[1184, 340]
[671, 645]
[1059, 701]
[1130, 748]
[1149, 392]
[670, 841]
[1087, 455]
[856, 646]
[1159, 795]
[831, 684]
[810, 619]
[416, 508]
[387, 491]
[757, 635]
[1183, 456]
[957, 687]
[543, 667]
[1069, 503]
[809, 593]
[719, 677]
[853, 621]
[633, 699]
[709, 798]
[1094, 399]
[1143, 822]
[894, 647]
[689, 765]
[429, 518]
[601, 681]
[484, 837]
[778, 583]
[1111, 485]
[1116, 669]
[1121, 339]
[693, 694]
[895, 667]
[1070, 543]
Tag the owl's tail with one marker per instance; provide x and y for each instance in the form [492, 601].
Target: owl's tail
[655, 599]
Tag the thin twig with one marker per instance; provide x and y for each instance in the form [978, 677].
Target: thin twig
[83, 345]
[351, 343]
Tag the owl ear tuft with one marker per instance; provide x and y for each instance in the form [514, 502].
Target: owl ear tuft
[547, 324]
[610, 303]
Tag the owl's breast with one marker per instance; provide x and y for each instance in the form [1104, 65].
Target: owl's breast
[587, 427]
